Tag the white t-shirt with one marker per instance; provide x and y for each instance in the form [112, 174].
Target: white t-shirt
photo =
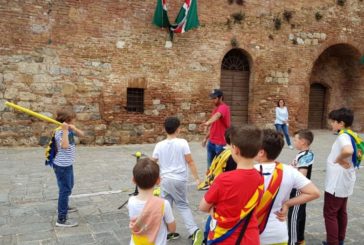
[281, 115]
[171, 157]
[135, 207]
[276, 231]
[339, 181]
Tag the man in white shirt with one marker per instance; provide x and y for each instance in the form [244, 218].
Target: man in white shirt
[340, 178]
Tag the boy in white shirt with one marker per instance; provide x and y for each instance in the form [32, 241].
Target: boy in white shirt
[279, 180]
[174, 155]
[340, 178]
[150, 216]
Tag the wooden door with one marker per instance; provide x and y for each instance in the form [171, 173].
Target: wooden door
[317, 107]
[235, 75]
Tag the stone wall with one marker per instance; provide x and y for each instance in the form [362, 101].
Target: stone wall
[83, 55]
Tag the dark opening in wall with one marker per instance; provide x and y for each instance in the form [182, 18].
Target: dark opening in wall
[135, 100]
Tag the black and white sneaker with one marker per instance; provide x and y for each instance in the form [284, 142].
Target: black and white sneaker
[173, 236]
[66, 223]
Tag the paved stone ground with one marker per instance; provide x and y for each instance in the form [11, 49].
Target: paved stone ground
[28, 196]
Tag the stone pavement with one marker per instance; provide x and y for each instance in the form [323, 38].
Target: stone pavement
[28, 196]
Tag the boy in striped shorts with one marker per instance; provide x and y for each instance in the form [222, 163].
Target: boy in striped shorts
[303, 162]
[63, 164]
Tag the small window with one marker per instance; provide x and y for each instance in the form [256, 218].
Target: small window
[135, 100]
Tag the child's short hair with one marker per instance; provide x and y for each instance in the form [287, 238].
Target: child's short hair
[342, 115]
[248, 139]
[65, 116]
[146, 173]
[171, 124]
[272, 143]
[227, 135]
[305, 134]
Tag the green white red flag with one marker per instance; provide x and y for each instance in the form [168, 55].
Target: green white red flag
[187, 17]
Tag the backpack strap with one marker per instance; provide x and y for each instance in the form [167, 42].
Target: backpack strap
[265, 206]
[245, 226]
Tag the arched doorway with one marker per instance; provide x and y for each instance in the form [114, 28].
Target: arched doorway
[317, 109]
[235, 73]
[338, 68]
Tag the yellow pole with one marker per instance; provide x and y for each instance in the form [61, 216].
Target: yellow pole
[32, 113]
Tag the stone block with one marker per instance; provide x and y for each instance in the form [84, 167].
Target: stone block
[290, 36]
[28, 68]
[310, 35]
[100, 127]
[192, 127]
[26, 96]
[156, 102]
[279, 74]
[315, 42]
[120, 44]
[186, 106]
[316, 35]
[268, 79]
[308, 41]
[68, 88]
[11, 93]
[323, 36]
[300, 41]
[303, 35]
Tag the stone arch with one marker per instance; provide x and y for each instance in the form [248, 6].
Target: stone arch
[235, 77]
[338, 69]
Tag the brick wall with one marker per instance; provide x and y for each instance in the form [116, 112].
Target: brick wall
[83, 55]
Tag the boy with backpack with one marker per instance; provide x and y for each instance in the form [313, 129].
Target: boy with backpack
[233, 196]
[174, 155]
[223, 162]
[303, 162]
[279, 180]
[62, 163]
[150, 216]
[345, 155]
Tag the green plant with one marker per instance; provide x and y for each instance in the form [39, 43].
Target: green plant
[318, 16]
[238, 17]
[234, 43]
[341, 2]
[277, 23]
[287, 15]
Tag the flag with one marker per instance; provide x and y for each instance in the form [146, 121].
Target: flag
[187, 17]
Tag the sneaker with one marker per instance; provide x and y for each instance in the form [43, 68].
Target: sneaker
[290, 147]
[173, 236]
[66, 223]
[197, 237]
[72, 209]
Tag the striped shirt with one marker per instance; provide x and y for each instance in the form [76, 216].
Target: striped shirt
[65, 157]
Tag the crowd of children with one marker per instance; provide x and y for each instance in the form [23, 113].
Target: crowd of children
[251, 198]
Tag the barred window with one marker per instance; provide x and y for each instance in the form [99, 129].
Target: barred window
[135, 100]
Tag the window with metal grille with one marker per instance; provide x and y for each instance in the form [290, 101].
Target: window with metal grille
[135, 100]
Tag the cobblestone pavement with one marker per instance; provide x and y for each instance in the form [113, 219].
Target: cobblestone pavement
[28, 196]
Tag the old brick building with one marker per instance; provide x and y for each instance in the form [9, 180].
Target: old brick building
[107, 62]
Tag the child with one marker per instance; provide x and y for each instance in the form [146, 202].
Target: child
[174, 155]
[233, 195]
[63, 164]
[222, 163]
[150, 216]
[279, 180]
[303, 162]
[340, 178]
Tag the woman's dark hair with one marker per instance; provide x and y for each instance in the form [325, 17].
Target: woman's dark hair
[284, 103]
